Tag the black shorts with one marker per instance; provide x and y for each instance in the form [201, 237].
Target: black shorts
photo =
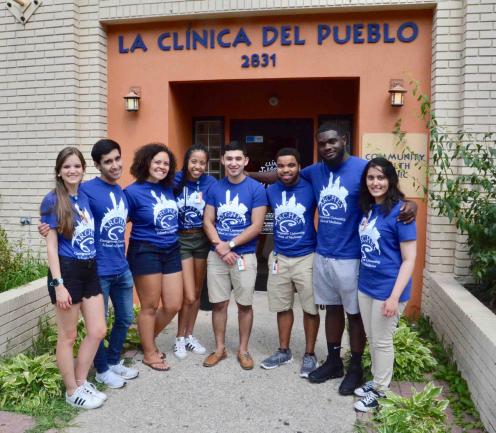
[145, 258]
[80, 279]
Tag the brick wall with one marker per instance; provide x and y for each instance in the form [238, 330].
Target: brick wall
[469, 329]
[20, 314]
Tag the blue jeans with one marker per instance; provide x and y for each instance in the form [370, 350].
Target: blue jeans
[120, 289]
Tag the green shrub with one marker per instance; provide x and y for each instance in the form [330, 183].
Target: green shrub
[467, 197]
[412, 355]
[423, 412]
[29, 382]
[17, 268]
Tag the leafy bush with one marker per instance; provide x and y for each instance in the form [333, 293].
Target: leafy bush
[466, 196]
[412, 355]
[423, 412]
[29, 382]
[17, 268]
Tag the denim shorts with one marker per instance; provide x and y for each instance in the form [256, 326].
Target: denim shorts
[80, 279]
[145, 258]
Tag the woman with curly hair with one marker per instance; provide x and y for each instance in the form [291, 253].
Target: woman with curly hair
[153, 253]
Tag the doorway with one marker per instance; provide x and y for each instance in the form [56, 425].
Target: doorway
[263, 138]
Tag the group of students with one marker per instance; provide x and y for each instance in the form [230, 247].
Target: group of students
[186, 225]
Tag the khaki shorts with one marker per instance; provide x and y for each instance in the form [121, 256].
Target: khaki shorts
[220, 278]
[294, 273]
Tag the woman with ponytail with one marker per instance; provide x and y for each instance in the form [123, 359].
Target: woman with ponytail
[191, 188]
[73, 283]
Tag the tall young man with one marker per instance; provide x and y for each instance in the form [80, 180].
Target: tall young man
[290, 264]
[233, 219]
[109, 207]
[336, 186]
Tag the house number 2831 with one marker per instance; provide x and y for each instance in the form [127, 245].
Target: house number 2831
[258, 60]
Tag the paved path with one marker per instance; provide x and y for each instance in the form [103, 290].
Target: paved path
[225, 398]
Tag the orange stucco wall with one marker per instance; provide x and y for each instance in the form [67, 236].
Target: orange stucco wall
[310, 80]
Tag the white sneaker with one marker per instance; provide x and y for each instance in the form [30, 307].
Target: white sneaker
[180, 348]
[193, 345]
[110, 379]
[123, 371]
[83, 399]
[94, 392]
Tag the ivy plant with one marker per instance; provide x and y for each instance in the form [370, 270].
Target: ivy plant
[463, 188]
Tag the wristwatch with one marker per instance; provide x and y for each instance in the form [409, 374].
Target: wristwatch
[232, 244]
[57, 282]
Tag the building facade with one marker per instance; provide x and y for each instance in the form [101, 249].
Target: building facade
[264, 71]
[267, 72]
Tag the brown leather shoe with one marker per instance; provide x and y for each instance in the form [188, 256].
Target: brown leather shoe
[245, 360]
[214, 359]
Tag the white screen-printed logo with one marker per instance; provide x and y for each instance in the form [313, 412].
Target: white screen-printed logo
[231, 213]
[84, 233]
[164, 214]
[191, 207]
[290, 217]
[331, 200]
[114, 223]
[369, 241]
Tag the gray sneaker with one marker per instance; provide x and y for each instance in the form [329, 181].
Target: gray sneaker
[308, 364]
[277, 359]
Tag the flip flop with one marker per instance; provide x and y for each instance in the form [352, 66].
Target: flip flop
[151, 365]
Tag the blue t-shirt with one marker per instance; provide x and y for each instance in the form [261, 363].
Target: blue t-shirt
[337, 192]
[81, 245]
[381, 255]
[109, 206]
[233, 204]
[153, 212]
[191, 201]
[294, 210]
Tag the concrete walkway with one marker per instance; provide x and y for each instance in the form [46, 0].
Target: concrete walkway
[225, 398]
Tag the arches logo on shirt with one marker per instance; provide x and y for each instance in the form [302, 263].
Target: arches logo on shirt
[164, 213]
[369, 240]
[333, 196]
[114, 221]
[290, 216]
[84, 231]
[232, 212]
[191, 207]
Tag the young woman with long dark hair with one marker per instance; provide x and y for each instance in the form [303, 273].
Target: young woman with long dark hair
[153, 253]
[388, 249]
[73, 283]
[192, 184]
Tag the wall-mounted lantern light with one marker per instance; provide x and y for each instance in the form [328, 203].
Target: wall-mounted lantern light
[132, 99]
[397, 92]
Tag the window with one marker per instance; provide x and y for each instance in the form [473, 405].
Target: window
[210, 133]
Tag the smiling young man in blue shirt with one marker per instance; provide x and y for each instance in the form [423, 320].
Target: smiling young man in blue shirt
[233, 219]
[290, 264]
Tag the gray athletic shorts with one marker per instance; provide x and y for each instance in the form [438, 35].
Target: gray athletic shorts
[335, 282]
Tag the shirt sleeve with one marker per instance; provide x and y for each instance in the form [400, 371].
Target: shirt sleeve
[406, 232]
[130, 202]
[260, 197]
[48, 212]
[306, 173]
[210, 195]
